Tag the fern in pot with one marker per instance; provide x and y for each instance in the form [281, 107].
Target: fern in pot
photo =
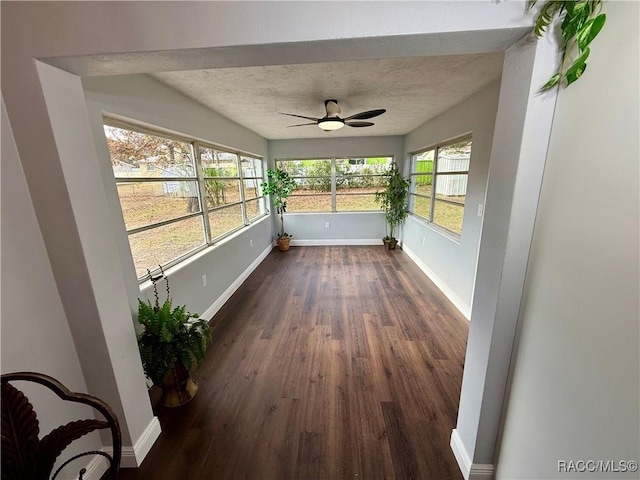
[172, 344]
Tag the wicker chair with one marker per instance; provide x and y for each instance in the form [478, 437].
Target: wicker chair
[27, 457]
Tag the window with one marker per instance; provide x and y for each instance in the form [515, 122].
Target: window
[179, 195]
[446, 167]
[251, 179]
[336, 184]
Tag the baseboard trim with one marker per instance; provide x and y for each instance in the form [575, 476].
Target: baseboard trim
[132, 457]
[462, 457]
[470, 471]
[480, 471]
[336, 241]
[96, 468]
[217, 305]
[444, 288]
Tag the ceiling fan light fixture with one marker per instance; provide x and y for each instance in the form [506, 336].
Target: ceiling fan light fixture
[329, 124]
[332, 120]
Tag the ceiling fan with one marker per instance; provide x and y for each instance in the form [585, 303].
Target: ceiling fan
[332, 120]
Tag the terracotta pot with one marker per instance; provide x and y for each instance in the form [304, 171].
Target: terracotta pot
[178, 388]
[390, 244]
[283, 243]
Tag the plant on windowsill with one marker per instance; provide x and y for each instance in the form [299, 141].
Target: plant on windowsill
[172, 344]
[279, 186]
[393, 200]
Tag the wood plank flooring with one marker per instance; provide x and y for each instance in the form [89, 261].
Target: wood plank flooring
[327, 363]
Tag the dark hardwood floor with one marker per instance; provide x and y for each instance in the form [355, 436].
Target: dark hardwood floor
[327, 363]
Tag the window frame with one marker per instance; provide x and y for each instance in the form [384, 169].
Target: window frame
[434, 179]
[199, 179]
[333, 177]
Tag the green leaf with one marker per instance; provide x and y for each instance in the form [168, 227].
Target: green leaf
[589, 31]
[553, 81]
[576, 74]
[574, 21]
[578, 67]
[569, 6]
[545, 17]
[166, 334]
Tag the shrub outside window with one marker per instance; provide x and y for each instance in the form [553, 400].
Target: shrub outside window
[445, 167]
[179, 195]
[337, 184]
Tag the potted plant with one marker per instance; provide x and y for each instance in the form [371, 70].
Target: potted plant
[393, 200]
[279, 186]
[172, 344]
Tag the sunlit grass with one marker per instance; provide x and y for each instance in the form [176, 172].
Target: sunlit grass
[145, 203]
[445, 214]
[160, 245]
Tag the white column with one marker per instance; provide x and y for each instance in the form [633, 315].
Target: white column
[520, 141]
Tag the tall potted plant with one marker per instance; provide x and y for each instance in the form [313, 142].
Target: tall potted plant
[172, 344]
[393, 200]
[279, 186]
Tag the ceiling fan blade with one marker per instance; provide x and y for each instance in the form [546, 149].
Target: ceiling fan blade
[359, 124]
[299, 116]
[302, 124]
[367, 114]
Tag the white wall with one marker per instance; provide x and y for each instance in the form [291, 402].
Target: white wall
[145, 100]
[351, 228]
[575, 380]
[454, 261]
[35, 333]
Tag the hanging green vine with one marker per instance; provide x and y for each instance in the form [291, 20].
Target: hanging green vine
[582, 20]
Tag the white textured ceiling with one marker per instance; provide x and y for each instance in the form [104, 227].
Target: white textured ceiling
[412, 89]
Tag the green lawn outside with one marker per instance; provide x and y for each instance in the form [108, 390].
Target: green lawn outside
[445, 214]
[146, 203]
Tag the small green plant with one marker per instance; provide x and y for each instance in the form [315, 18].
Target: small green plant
[582, 20]
[170, 336]
[279, 186]
[393, 199]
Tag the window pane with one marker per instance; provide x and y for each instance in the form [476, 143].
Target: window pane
[362, 165]
[360, 183]
[302, 170]
[344, 165]
[218, 163]
[305, 168]
[221, 192]
[313, 185]
[356, 203]
[421, 184]
[252, 188]
[255, 208]
[313, 203]
[251, 167]
[452, 188]
[448, 216]
[225, 219]
[160, 245]
[423, 162]
[455, 158]
[292, 167]
[421, 206]
[144, 203]
[135, 154]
